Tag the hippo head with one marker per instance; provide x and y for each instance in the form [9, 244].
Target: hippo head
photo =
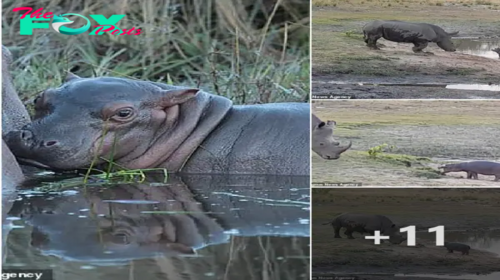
[449, 168]
[323, 142]
[94, 120]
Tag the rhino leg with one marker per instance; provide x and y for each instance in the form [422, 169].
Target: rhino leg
[337, 231]
[349, 232]
[419, 46]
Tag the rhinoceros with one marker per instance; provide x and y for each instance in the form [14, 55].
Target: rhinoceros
[420, 34]
[366, 223]
[322, 140]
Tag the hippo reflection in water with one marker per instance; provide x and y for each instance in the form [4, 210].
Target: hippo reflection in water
[181, 225]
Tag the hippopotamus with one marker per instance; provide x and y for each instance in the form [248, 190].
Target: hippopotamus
[322, 139]
[366, 223]
[142, 124]
[420, 34]
[473, 168]
[453, 246]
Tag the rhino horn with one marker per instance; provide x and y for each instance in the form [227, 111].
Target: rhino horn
[453, 33]
[345, 148]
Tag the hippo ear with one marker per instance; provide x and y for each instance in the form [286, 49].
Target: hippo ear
[174, 97]
[321, 124]
[70, 76]
[181, 248]
[393, 226]
[331, 122]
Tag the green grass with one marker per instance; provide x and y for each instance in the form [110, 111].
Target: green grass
[250, 57]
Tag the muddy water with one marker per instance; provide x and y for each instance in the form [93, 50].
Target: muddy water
[477, 47]
[192, 227]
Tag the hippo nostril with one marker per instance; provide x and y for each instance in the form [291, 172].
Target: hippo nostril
[328, 157]
[26, 135]
[50, 143]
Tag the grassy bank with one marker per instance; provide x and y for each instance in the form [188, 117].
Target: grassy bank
[251, 52]
[410, 139]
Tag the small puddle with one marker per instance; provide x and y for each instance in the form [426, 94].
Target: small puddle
[474, 87]
[478, 47]
[492, 276]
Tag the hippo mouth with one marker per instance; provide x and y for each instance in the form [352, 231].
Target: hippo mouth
[34, 163]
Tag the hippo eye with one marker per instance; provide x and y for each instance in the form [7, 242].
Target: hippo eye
[321, 144]
[124, 113]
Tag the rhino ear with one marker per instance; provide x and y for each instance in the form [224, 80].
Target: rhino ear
[321, 124]
[174, 97]
[70, 76]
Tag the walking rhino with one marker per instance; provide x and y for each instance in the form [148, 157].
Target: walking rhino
[419, 34]
[323, 142]
[366, 223]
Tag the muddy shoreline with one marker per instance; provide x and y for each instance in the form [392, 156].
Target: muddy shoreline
[339, 53]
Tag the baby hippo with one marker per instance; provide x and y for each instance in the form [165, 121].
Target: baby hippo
[454, 246]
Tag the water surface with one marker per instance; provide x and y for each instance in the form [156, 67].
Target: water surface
[478, 47]
[192, 227]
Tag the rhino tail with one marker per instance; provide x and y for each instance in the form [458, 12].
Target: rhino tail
[451, 34]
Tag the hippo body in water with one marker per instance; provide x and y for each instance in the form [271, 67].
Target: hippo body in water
[141, 124]
[473, 168]
[322, 139]
[420, 34]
